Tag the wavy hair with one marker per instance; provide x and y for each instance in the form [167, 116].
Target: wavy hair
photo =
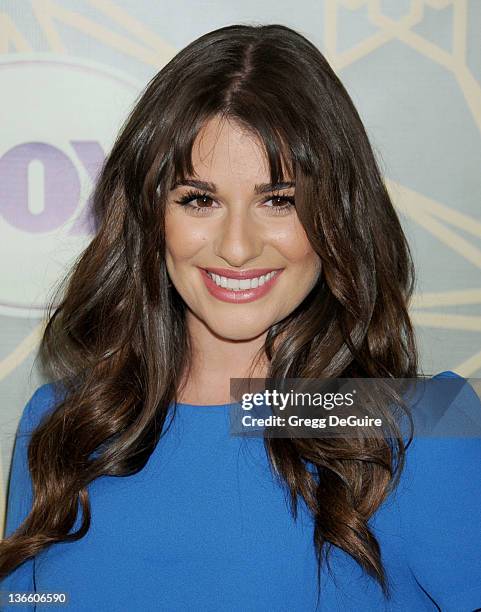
[117, 338]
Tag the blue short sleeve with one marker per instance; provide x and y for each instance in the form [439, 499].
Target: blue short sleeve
[20, 496]
[442, 521]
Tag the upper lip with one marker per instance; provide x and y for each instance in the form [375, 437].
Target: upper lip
[240, 274]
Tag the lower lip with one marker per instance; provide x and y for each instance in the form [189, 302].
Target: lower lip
[240, 296]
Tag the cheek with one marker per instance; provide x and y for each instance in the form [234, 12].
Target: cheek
[293, 244]
[183, 240]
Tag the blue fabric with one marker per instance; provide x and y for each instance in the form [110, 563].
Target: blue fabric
[206, 527]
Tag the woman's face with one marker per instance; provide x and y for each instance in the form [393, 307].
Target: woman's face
[231, 225]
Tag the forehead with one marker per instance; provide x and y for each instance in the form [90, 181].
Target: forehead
[225, 149]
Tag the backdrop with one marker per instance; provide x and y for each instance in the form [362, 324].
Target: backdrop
[71, 69]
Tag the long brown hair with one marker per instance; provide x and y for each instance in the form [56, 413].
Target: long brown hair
[117, 339]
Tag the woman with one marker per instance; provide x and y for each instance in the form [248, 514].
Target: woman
[244, 157]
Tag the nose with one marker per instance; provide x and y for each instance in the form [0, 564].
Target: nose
[239, 239]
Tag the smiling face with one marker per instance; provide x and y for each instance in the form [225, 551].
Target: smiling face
[233, 227]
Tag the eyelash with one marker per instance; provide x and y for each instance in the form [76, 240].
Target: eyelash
[195, 195]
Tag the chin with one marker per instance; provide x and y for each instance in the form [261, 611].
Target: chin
[238, 331]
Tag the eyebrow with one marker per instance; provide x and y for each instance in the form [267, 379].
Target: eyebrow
[206, 186]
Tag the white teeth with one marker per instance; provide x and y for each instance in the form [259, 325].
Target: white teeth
[232, 283]
[235, 284]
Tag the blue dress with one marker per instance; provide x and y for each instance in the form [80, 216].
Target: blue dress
[206, 527]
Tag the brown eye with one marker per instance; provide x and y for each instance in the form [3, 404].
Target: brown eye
[191, 196]
[282, 204]
[201, 201]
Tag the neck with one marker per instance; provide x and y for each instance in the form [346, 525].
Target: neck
[215, 361]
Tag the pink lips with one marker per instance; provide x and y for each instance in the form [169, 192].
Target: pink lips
[241, 274]
[244, 295]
